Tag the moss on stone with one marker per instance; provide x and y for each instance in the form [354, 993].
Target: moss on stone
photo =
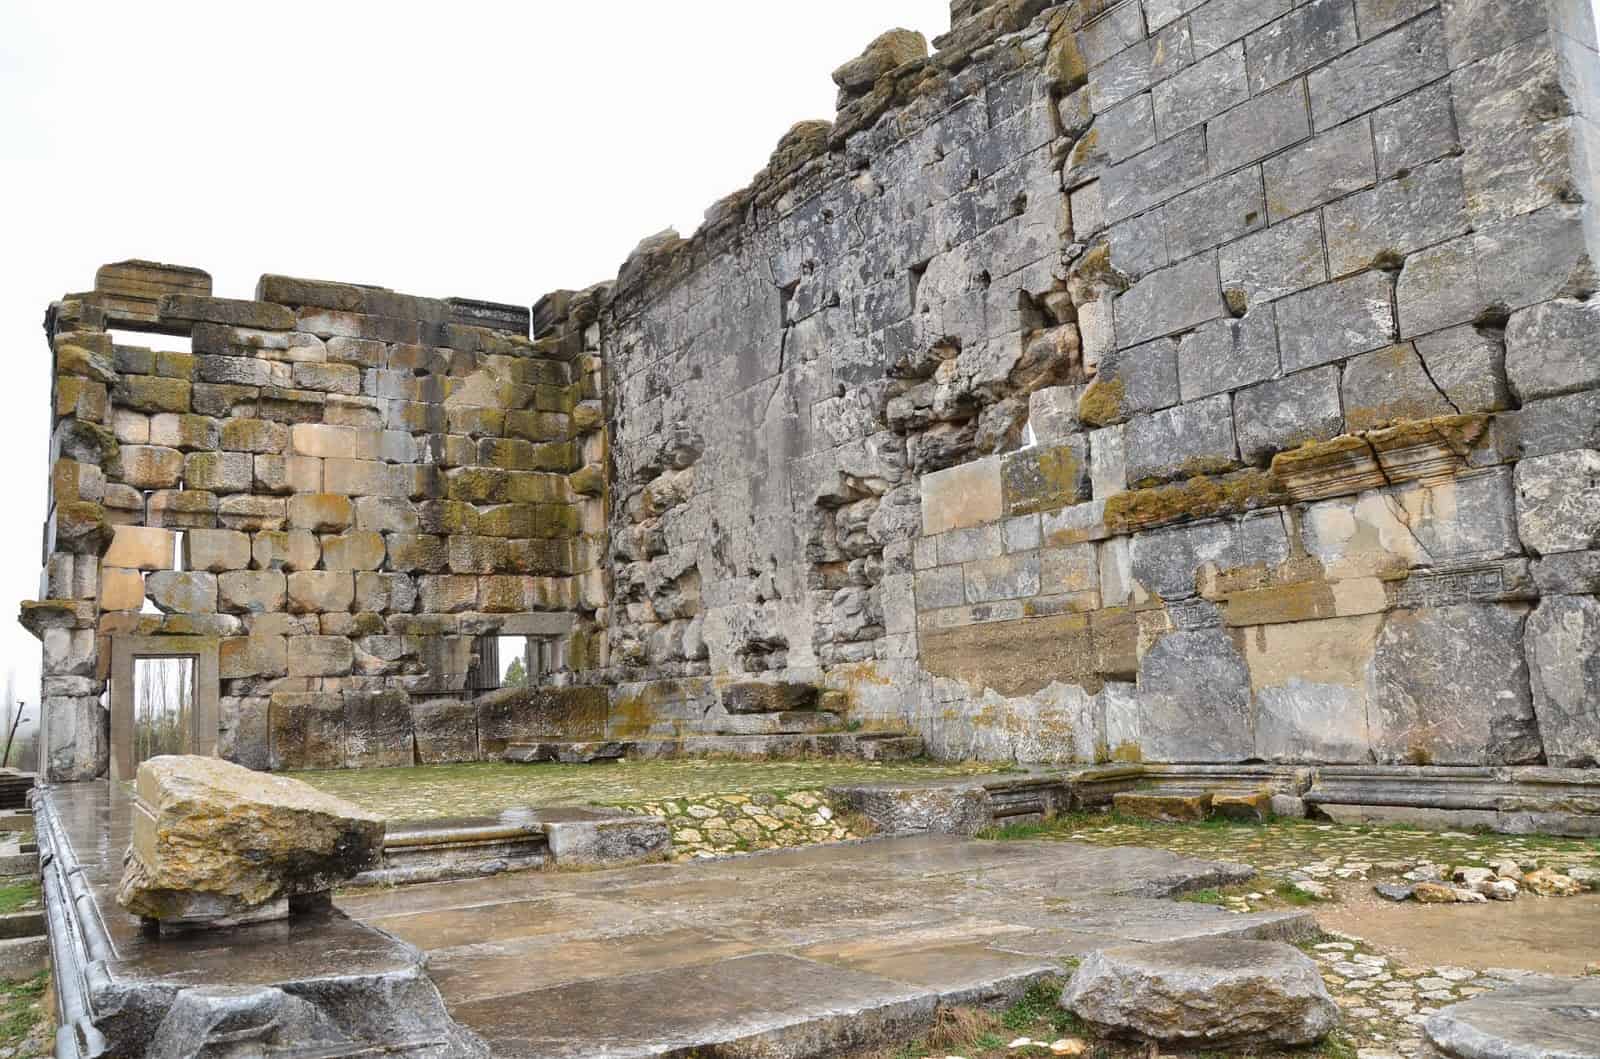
[1101, 404]
[1203, 496]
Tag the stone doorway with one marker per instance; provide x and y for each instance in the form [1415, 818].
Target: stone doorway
[163, 699]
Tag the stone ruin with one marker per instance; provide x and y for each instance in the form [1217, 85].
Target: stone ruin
[1190, 384]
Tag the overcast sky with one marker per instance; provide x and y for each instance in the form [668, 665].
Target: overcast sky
[491, 150]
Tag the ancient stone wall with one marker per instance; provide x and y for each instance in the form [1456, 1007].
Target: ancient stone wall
[1175, 380]
[327, 500]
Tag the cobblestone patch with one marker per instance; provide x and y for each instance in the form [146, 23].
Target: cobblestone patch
[716, 825]
[477, 789]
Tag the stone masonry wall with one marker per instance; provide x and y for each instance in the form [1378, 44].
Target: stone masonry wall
[333, 494]
[1175, 380]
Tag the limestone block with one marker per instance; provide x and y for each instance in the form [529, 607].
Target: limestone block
[1421, 208]
[954, 809]
[1053, 413]
[251, 513]
[213, 840]
[215, 551]
[182, 592]
[1553, 348]
[1167, 808]
[323, 440]
[320, 512]
[1389, 386]
[1335, 320]
[1189, 439]
[121, 589]
[1004, 577]
[256, 655]
[477, 555]
[1281, 414]
[1468, 366]
[1172, 991]
[353, 550]
[446, 731]
[320, 656]
[1284, 259]
[1449, 686]
[361, 477]
[285, 550]
[377, 729]
[385, 593]
[1563, 649]
[1168, 300]
[68, 652]
[317, 591]
[385, 514]
[150, 466]
[1194, 699]
[1568, 573]
[447, 593]
[254, 435]
[141, 548]
[1255, 807]
[329, 378]
[968, 494]
[148, 393]
[1045, 477]
[244, 735]
[219, 472]
[1326, 167]
[887, 52]
[1310, 682]
[1558, 501]
[1227, 354]
[417, 552]
[182, 508]
[250, 591]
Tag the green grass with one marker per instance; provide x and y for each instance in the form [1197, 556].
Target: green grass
[13, 896]
[20, 1007]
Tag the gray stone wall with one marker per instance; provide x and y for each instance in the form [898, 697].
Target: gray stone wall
[1189, 382]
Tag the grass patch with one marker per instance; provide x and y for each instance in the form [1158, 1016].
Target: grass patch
[21, 1007]
[17, 895]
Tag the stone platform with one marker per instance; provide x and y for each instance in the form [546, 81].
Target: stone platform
[791, 953]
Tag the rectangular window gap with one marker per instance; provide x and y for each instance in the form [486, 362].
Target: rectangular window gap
[163, 706]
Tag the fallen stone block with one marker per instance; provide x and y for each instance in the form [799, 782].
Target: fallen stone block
[1255, 807]
[1167, 808]
[215, 843]
[1548, 883]
[947, 809]
[1533, 1016]
[1204, 992]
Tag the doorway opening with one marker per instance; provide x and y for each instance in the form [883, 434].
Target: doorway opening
[164, 695]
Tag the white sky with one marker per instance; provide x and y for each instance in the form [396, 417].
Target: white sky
[490, 150]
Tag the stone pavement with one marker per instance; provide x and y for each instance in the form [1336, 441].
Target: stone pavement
[787, 952]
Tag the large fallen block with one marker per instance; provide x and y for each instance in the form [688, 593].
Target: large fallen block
[1204, 992]
[216, 844]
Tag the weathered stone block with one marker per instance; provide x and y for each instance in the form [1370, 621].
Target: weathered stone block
[1558, 501]
[1328, 166]
[182, 592]
[752, 696]
[1046, 477]
[1190, 439]
[141, 548]
[1213, 213]
[316, 591]
[1389, 386]
[150, 466]
[1194, 94]
[1378, 71]
[1166, 808]
[377, 729]
[1227, 354]
[215, 551]
[1282, 414]
[1270, 122]
[1563, 650]
[1449, 686]
[1171, 299]
[1552, 348]
[1194, 699]
[215, 841]
[1005, 577]
[1336, 320]
[121, 589]
[320, 656]
[353, 550]
[1308, 36]
[446, 731]
[1468, 366]
[1425, 206]
[256, 655]
[254, 435]
[320, 512]
[968, 494]
[219, 472]
[250, 591]
[1142, 378]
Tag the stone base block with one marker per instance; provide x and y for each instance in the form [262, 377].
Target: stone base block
[1168, 808]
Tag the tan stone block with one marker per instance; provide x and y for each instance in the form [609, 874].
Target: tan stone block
[1255, 807]
[83, 398]
[965, 495]
[355, 550]
[448, 593]
[316, 591]
[329, 378]
[132, 428]
[362, 478]
[216, 551]
[320, 512]
[354, 411]
[188, 432]
[251, 591]
[417, 552]
[320, 656]
[281, 624]
[245, 434]
[1164, 807]
[286, 550]
[182, 591]
[182, 508]
[288, 474]
[386, 593]
[219, 472]
[121, 589]
[141, 548]
[149, 393]
[150, 466]
[325, 440]
[504, 594]
[508, 520]
[478, 555]
[252, 656]
[386, 514]
[251, 513]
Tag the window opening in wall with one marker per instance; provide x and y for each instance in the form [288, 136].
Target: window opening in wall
[512, 661]
[163, 706]
[152, 340]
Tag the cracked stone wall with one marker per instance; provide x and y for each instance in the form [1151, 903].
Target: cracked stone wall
[332, 494]
[1169, 380]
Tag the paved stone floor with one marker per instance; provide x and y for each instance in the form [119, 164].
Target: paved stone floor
[795, 949]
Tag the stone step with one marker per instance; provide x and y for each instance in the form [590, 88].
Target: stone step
[789, 722]
[860, 746]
